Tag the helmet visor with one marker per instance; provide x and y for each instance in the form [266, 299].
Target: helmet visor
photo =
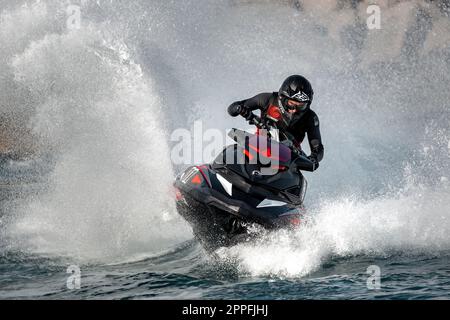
[294, 106]
[290, 107]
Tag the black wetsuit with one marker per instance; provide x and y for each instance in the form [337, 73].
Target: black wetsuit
[304, 123]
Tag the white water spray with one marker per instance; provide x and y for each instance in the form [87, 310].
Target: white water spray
[109, 192]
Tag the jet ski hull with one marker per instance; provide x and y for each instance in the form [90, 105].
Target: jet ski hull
[223, 213]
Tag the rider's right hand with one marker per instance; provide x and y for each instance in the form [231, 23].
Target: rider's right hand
[240, 109]
[234, 110]
[247, 113]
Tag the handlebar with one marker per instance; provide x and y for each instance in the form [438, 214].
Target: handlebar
[302, 162]
[253, 119]
[235, 110]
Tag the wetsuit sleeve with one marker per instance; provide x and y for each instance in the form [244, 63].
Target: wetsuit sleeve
[315, 138]
[258, 102]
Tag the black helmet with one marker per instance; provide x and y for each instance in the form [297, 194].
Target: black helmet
[295, 96]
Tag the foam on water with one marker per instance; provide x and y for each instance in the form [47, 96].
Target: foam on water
[413, 223]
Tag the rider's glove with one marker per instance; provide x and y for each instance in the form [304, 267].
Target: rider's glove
[246, 113]
[235, 109]
[240, 109]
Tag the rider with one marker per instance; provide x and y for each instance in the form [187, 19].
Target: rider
[290, 109]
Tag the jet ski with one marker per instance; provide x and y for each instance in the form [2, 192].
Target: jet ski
[254, 184]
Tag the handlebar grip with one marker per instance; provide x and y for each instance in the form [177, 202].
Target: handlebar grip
[304, 164]
[237, 109]
[255, 120]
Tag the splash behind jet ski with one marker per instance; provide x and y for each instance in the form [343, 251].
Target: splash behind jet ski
[255, 183]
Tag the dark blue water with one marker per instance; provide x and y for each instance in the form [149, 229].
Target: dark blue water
[183, 273]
